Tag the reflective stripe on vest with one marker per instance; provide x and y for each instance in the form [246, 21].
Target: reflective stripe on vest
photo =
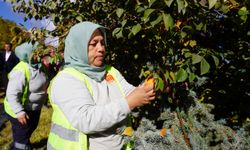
[22, 146]
[23, 67]
[62, 134]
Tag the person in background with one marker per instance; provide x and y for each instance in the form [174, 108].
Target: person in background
[9, 60]
[1, 59]
[53, 62]
[90, 99]
[25, 96]
[1, 70]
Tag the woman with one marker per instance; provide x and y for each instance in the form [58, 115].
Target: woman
[90, 99]
[25, 96]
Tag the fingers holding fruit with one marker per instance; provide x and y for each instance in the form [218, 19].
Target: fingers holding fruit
[149, 85]
[140, 96]
[151, 95]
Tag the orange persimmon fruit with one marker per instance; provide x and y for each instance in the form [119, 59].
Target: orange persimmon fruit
[149, 82]
[163, 132]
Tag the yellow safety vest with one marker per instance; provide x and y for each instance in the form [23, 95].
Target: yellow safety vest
[63, 135]
[21, 66]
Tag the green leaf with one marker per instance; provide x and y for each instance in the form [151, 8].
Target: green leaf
[119, 12]
[187, 55]
[196, 58]
[79, 18]
[183, 34]
[187, 27]
[225, 9]
[168, 21]
[192, 43]
[203, 3]
[182, 4]
[117, 32]
[136, 56]
[216, 61]
[155, 22]
[139, 9]
[191, 77]
[204, 28]
[233, 2]
[124, 22]
[168, 2]
[160, 84]
[52, 5]
[245, 58]
[199, 26]
[136, 29]
[181, 75]
[166, 75]
[222, 91]
[151, 2]
[211, 3]
[244, 18]
[147, 13]
[248, 33]
[243, 11]
[204, 66]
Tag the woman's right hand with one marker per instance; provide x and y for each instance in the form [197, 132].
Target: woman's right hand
[140, 96]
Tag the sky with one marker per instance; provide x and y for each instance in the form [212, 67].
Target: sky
[6, 12]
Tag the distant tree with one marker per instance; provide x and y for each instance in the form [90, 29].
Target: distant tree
[5, 31]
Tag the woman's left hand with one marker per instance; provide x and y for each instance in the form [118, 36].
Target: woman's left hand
[23, 118]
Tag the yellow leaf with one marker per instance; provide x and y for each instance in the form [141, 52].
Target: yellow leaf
[172, 76]
[147, 73]
[128, 131]
[178, 23]
[186, 43]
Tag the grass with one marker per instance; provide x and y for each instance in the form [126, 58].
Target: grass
[39, 136]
